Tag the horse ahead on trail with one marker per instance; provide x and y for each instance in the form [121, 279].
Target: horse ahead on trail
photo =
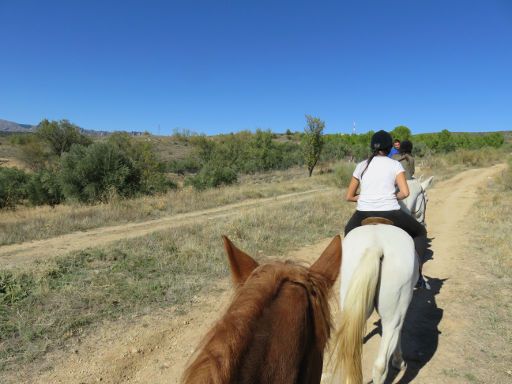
[416, 203]
[379, 271]
[276, 327]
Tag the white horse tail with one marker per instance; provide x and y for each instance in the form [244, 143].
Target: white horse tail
[358, 305]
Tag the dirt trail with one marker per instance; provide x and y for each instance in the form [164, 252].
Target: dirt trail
[155, 348]
[436, 326]
[19, 254]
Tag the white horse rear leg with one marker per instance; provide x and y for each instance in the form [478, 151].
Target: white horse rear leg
[397, 361]
[388, 346]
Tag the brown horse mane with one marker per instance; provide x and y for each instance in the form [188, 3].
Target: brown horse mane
[221, 351]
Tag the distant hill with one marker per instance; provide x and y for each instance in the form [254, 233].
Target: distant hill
[10, 126]
[7, 126]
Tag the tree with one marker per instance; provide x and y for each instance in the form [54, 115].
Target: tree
[36, 153]
[61, 135]
[312, 141]
[401, 133]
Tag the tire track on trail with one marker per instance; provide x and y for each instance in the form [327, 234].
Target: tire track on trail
[14, 255]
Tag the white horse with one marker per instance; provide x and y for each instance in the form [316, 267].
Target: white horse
[416, 203]
[379, 271]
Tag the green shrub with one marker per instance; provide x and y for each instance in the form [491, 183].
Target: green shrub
[144, 161]
[446, 141]
[506, 178]
[343, 173]
[44, 188]
[90, 174]
[420, 149]
[21, 138]
[212, 176]
[14, 288]
[475, 158]
[335, 148]
[156, 182]
[219, 161]
[290, 154]
[13, 187]
[186, 165]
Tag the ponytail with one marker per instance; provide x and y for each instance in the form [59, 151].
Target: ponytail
[374, 153]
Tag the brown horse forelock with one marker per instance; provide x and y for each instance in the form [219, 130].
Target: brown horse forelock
[220, 359]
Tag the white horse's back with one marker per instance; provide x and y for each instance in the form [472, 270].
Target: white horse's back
[396, 275]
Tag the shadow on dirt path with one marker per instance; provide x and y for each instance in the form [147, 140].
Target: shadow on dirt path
[421, 333]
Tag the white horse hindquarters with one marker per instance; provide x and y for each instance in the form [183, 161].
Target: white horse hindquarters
[397, 263]
[398, 274]
[399, 269]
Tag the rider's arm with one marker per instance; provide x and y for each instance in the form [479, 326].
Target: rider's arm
[402, 186]
[352, 190]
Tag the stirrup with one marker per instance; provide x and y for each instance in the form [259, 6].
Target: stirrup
[423, 284]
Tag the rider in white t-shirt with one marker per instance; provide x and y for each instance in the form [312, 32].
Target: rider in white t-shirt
[378, 177]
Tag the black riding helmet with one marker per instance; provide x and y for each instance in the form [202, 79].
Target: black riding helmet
[381, 141]
[405, 147]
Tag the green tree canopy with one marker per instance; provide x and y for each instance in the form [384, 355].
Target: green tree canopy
[61, 135]
[312, 141]
[401, 133]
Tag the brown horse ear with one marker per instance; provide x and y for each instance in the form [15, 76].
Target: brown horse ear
[240, 262]
[329, 263]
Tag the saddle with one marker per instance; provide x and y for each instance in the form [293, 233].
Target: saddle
[376, 220]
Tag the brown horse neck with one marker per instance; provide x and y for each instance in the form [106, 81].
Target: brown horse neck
[274, 331]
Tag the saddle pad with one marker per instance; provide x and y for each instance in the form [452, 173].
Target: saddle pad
[376, 220]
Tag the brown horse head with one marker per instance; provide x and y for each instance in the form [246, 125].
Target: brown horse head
[276, 327]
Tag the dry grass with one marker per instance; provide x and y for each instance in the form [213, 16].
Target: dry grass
[62, 299]
[489, 303]
[444, 166]
[35, 223]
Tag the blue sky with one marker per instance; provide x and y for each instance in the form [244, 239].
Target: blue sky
[221, 66]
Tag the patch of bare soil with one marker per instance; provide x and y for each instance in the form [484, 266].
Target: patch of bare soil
[154, 348]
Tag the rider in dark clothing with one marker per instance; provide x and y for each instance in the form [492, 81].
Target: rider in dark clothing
[405, 158]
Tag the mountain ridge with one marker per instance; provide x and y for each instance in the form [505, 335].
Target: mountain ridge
[7, 126]
[11, 126]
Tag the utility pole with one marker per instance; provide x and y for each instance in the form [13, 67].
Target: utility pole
[353, 127]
